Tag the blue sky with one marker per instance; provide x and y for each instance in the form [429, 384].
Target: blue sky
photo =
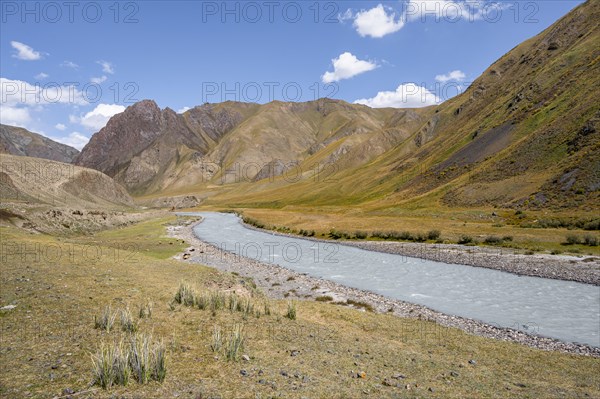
[66, 69]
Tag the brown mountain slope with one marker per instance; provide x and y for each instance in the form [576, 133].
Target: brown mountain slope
[41, 181]
[18, 141]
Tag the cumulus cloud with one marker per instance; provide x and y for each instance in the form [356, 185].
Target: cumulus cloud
[41, 76]
[408, 95]
[14, 116]
[98, 80]
[107, 67]
[376, 22]
[457, 76]
[60, 126]
[347, 66]
[24, 52]
[97, 118]
[182, 110]
[75, 139]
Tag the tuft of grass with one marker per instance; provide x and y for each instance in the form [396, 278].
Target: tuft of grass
[217, 300]
[217, 339]
[128, 324]
[159, 361]
[291, 310]
[121, 369]
[106, 320]
[145, 311]
[185, 294]
[102, 367]
[267, 308]
[140, 357]
[235, 343]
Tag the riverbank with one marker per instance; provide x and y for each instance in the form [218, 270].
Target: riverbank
[585, 269]
[278, 282]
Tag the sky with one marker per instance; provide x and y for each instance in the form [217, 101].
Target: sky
[67, 67]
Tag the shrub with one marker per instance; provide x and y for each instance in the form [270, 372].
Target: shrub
[291, 310]
[493, 240]
[465, 239]
[324, 298]
[360, 235]
[420, 237]
[590, 240]
[433, 234]
[572, 239]
[507, 238]
[334, 234]
[307, 233]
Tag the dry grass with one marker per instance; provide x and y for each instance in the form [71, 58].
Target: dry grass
[50, 329]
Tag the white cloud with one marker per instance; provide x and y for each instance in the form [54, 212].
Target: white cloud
[75, 139]
[14, 116]
[377, 22]
[182, 110]
[18, 92]
[408, 95]
[69, 64]
[347, 15]
[107, 67]
[97, 118]
[456, 75]
[98, 80]
[41, 76]
[347, 66]
[24, 52]
[60, 126]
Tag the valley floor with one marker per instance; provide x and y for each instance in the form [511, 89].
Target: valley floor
[52, 287]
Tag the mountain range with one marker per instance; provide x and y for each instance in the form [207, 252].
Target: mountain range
[523, 135]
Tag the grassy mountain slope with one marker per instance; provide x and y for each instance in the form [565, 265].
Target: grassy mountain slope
[525, 134]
